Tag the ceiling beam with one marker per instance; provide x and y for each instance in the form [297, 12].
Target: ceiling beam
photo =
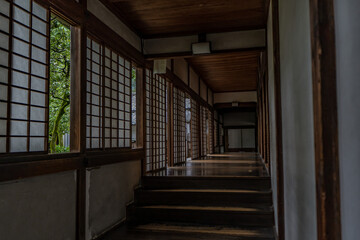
[220, 42]
[173, 55]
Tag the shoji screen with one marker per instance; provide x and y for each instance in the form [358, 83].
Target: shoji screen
[179, 126]
[155, 88]
[94, 121]
[24, 63]
[148, 122]
[221, 134]
[211, 131]
[216, 129]
[204, 130]
[195, 131]
[108, 98]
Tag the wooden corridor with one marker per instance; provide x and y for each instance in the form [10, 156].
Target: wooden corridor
[224, 196]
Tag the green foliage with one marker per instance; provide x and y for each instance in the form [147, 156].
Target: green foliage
[61, 149]
[59, 90]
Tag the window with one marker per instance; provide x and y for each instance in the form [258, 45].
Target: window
[210, 122]
[204, 131]
[133, 106]
[23, 76]
[155, 90]
[188, 127]
[195, 129]
[179, 126]
[59, 86]
[108, 96]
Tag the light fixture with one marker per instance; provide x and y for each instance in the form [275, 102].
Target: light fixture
[160, 66]
[201, 48]
[235, 104]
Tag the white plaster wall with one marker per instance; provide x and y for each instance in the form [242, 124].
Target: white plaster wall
[181, 69]
[107, 17]
[194, 81]
[228, 97]
[239, 118]
[166, 45]
[110, 189]
[347, 27]
[203, 90]
[237, 40]
[210, 97]
[272, 119]
[39, 208]
[241, 138]
[297, 120]
[219, 41]
[234, 137]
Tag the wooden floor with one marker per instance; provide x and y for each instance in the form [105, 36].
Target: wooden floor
[230, 165]
[222, 196]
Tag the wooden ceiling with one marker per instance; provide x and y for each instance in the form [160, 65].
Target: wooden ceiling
[228, 72]
[158, 18]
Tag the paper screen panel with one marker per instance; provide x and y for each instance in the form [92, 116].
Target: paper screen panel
[155, 95]
[148, 120]
[108, 98]
[159, 121]
[94, 95]
[211, 131]
[24, 51]
[194, 129]
[179, 126]
[203, 122]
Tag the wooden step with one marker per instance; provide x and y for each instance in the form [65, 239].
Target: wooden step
[224, 216]
[222, 163]
[220, 232]
[228, 182]
[203, 197]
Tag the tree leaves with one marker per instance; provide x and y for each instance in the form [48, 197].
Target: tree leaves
[59, 89]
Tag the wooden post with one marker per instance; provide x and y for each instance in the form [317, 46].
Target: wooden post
[325, 119]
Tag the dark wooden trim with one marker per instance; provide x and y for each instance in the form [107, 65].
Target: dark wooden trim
[267, 6]
[171, 124]
[81, 204]
[110, 5]
[105, 233]
[101, 31]
[278, 119]
[69, 10]
[14, 171]
[220, 106]
[143, 118]
[240, 127]
[81, 209]
[181, 85]
[241, 149]
[188, 74]
[325, 119]
[183, 34]
[36, 165]
[105, 158]
[189, 54]
[76, 89]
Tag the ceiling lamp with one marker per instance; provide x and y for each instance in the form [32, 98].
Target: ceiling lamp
[201, 47]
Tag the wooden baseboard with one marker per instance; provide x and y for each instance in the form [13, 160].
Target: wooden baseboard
[276, 236]
[117, 225]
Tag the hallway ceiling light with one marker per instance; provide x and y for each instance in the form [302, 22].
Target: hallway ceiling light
[160, 66]
[201, 48]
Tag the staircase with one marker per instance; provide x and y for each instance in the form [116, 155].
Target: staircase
[214, 198]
